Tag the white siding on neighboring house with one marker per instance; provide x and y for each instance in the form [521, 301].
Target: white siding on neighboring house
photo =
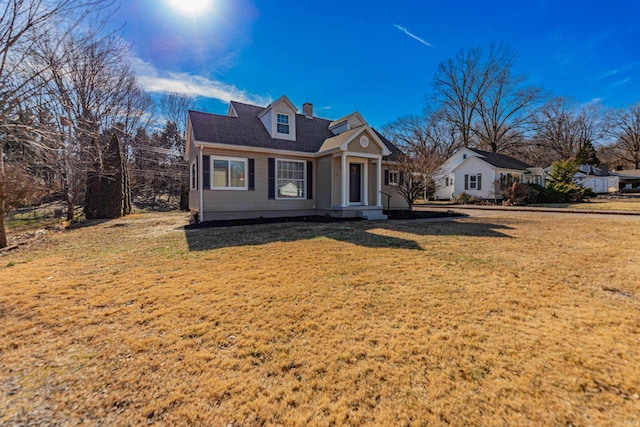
[485, 174]
[445, 179]
[600, 184]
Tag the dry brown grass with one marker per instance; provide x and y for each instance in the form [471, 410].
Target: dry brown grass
[632, 205]
[502, 320]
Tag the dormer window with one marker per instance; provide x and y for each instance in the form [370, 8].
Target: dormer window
[283, 124]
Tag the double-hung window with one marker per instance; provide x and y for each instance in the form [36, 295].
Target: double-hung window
[290, 179]
[394, 177]
[282, 124]
[229, 173]
[473, 182]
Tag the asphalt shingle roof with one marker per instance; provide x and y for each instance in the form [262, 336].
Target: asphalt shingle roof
[336, 141]
[501, 160]
[247, 130]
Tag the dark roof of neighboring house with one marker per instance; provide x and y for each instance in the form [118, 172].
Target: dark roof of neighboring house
[501, 160]
[247, 130]
[628, 172]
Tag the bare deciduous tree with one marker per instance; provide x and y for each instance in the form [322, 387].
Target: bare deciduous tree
[458, 84]
[417, 176]
[483, 99]
[174, 107]
[624, 126]
[89, 88]
[431, 135]
[506, 109]
[565, 129]
[22, 23]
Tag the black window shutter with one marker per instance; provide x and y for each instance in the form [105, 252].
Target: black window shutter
[252, 174]
[272, 178]
[479, 181]
[386, 177]
[206, 172]
[401, 178]
[309, 179]
[466, 182]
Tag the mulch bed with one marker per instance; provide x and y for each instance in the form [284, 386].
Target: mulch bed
[319, 219]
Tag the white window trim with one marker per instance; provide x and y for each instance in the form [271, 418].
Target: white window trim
[288, 124]
[193, 175]
[237, 159]
[395, 182]
[304, 185]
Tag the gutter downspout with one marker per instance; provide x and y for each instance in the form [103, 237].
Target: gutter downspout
[200, 186]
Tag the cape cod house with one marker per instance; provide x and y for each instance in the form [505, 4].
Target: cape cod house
[483, 174]
[274, 162]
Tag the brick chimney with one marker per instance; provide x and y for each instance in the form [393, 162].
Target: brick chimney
[307, 109]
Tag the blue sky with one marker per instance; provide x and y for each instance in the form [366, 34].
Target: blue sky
[376, 57]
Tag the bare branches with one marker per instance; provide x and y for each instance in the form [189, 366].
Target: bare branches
[174, 107]
[624, 126]
[431, 135]
[417, 176]
[487, 104]
[458, 84]
[565, 129]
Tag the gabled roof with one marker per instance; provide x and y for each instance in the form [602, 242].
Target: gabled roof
[354, 115]
[343, 139]
[339, 139]
[284, 100]
[246, 130]
[500, 160]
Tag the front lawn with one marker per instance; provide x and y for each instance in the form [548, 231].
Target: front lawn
[627, 205]
[524, 320]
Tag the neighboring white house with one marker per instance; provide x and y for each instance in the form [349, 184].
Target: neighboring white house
[482, 174]
[600, 180]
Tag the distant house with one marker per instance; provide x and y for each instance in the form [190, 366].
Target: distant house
[273, 162]
[598, 179]
[483, 174]
[629, 180]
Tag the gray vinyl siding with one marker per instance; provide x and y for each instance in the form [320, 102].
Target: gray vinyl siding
[396, 201]
[336, 191]
[372, 148]
[323, 182]
[193, 200]
[373, 183]
[253, 200]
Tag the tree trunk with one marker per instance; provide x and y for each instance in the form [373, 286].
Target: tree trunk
[70, 209]
[3, 234]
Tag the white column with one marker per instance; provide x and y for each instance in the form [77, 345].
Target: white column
[200, 186]
[379, 179]
[345, 179]
[365, 184]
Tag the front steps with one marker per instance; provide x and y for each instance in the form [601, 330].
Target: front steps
[372, 215]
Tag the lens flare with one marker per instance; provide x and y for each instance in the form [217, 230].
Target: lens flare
[190, 6]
